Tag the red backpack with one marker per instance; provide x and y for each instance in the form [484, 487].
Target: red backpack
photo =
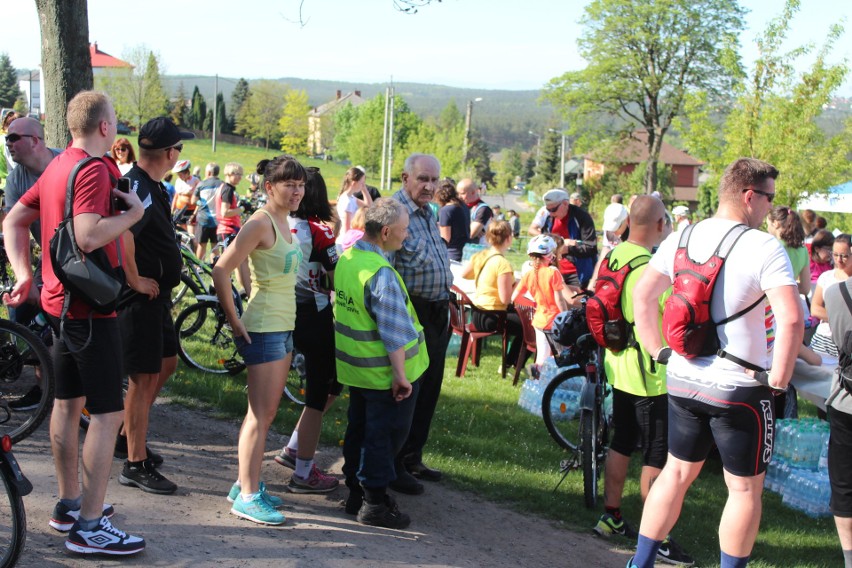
[603, 310]
[688, 326]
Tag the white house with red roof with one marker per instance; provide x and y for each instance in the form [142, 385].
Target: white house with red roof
[30, 81]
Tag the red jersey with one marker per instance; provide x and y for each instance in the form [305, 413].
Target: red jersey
[92, 194]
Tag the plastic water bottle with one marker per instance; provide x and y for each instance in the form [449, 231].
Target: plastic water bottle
[454, 346]
[823, 457]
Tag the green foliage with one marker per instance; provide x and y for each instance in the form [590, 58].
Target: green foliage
[293, 123]
[258, 116]
[9, 90]
[480, 158]
[222, 120]
[510, 167]
[344, 121]
[644, 57]
[775, 118]
[239, 95]
[178, 111]
[548, 170]
[137, 92]
[21, 106]
[197, 110]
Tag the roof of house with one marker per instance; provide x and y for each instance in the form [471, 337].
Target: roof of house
[634, 150]
[101, 59]
[351, 97]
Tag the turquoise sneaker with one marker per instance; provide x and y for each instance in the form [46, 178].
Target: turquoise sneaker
[257, 511]
[273, 501]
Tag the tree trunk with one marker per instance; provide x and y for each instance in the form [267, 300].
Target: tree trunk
[65, 61]
[655, 144]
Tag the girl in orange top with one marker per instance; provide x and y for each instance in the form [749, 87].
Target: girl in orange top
[544, 284]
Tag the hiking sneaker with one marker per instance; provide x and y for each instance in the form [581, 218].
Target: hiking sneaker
[29, 401]
[385, 514]
[257, 511]
[147, 478]
[608, 526]
[317, 482]
[64, 518]
[121, 451]
[670, 552]
[104, 539]
[271, 499]
[286, 459]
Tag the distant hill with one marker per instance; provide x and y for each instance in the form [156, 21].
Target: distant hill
[503, 118]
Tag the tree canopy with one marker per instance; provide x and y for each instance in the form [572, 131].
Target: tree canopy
[293, 123]
[9, 90]
[644, 57]
[137, 92]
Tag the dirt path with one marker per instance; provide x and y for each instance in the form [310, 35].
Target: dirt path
[193, 526]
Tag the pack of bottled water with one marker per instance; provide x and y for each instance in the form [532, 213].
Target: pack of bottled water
[454, 346]
[799, 467]
[564, 404]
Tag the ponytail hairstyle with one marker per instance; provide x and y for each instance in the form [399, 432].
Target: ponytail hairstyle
[282, 168]
[790, 229]
[352, 175]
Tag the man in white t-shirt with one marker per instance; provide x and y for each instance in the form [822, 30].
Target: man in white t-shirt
[720, 398]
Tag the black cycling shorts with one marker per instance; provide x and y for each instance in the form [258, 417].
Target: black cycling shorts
[93, 372]
[147, 335]
[313, 336]
[206, 234]
[741, 420]
[640, 422]
[840, 462]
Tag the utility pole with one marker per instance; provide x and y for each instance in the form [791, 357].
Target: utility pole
[390, 136]
[467, 120]
[215, 109]
[562, 175]
[385, 138]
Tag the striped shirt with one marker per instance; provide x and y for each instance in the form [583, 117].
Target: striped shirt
[392, 320]
[423, 261]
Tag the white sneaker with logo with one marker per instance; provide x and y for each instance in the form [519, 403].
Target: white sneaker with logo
[103, 539]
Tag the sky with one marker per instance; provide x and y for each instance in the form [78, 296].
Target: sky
[484, 44]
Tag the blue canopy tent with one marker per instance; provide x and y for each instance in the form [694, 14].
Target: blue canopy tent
[837, 199]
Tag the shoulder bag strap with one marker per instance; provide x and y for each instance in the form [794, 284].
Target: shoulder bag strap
[476, 282]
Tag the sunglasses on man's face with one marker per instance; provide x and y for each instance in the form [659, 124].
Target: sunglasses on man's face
[554, 208]
[12, 138]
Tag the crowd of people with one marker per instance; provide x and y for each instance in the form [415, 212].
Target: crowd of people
[362, 290]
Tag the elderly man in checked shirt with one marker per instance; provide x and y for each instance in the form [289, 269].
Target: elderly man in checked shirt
[424, 265]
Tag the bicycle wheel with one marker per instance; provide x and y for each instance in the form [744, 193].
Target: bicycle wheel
[559, 408]
[25, 369]
[205, 341]
[589, 455]
[296, 387]
[13, 523]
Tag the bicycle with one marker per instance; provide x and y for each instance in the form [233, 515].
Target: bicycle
[572, 406]
[206, 343]
[13, 537]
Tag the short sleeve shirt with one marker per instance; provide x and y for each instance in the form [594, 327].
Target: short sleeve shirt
[92, 194]
[487, 266]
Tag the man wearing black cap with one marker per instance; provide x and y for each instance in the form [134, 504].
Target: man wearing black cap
[153, 268]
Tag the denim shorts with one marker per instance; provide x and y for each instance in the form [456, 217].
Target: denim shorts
[265, 347]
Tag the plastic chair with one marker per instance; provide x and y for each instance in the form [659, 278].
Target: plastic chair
[471, 336]
[526, 309]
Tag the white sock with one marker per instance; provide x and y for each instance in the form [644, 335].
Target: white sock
[293, 443]
[303, 467]
[247, 497]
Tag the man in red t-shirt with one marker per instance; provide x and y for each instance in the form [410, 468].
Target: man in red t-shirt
[91, 374]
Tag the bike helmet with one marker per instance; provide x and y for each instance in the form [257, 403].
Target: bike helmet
[541, 244]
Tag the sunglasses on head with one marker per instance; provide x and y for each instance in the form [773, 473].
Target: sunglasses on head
[12, 138]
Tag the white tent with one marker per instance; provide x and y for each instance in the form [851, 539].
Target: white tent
[838, 199]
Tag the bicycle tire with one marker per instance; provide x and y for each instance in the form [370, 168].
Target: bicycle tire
[558, 408]
[23, 357]
[296, 387]
[205, 341]
[187, 285]
[16, 534]
[589, 456]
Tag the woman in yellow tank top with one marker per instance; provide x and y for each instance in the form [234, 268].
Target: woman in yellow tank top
[264, 333]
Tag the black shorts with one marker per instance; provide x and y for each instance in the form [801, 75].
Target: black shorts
[93, 372]
[840, 462]
[741, 420]
[313, 336]
[640, 421]
[148, 336]
[205, 234]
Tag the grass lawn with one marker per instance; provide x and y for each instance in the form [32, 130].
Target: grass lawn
[200, 152]
[487, 445]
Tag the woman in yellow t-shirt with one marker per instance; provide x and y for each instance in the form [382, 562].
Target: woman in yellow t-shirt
[264, 334]
[495, 280]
